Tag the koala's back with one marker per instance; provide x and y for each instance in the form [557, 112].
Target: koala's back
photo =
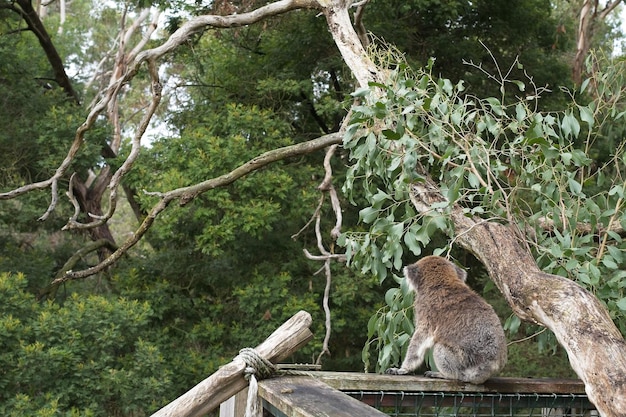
[457, 315]
[465, 327]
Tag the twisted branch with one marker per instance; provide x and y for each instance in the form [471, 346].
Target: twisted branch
[180, 36]
[186, 194]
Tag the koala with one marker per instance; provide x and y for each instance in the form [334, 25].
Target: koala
[464, 331]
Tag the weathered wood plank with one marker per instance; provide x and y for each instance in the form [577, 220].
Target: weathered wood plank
[229, 379]
[235, 406]
[302, 396]
[352, 381]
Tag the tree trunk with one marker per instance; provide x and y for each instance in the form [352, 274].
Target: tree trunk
[590, 16]
[580, 322]
[583, 37]
[89, 196]
[31, 18]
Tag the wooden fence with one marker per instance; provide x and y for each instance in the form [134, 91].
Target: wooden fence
[343, 394]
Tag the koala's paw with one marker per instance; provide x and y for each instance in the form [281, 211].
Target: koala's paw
[431, 374]
[396, 371]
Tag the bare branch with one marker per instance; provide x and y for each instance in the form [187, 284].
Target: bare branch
[72, 198]
[146, 36]
[199, 23]
[326, 256]
[608, 8]
[30, 16]
[191, 27]
[130, 160]
[349, 44]
[327, 185]
[337, 256]
[326, 306]
[547, 224]
[87, 249]
[358, 22]
[186, 194]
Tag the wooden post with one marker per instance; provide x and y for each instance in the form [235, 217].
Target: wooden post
[235, 406]
[229, 379]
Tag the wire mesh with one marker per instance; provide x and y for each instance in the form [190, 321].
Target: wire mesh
[443, 404]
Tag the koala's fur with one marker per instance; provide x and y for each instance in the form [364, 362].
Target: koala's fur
[464, 331]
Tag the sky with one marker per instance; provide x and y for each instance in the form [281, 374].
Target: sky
[621, 47]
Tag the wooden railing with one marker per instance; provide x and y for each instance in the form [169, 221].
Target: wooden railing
[344, 394]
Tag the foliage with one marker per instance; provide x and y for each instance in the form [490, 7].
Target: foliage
[455, 32]
[89, 357]
[37, 122]
[498, 158]
[36, 114]
[222, 272]
[241, 267]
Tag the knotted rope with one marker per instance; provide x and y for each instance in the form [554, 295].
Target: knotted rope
[256, 366]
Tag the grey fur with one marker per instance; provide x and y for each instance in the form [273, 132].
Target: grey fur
[464, 331]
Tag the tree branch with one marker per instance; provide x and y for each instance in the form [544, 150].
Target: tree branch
[326, 256]
[130, 160]
[186, 194]
[31, 18]
[580, 322]
[191, 27]
[358, 22]
[348, 42]
[88, 248]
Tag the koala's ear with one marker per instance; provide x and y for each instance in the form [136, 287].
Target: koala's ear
[411, 271]
[461, 273]
[412, 275]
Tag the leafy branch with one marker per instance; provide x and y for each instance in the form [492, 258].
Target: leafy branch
[497, 160]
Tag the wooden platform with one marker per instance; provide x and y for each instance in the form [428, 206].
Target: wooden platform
[302, 396]
[319, 394]
[353, 381]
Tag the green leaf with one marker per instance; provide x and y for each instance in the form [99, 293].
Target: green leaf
[569, 125]
[495, 106]
[512, 324]
[584, 84]
[395, 232]
[378, 199]
[520, 85]
[586, 115]
[361, 92]
[372, 325]
[412, 243]
[392, 134]
[473, 181]
[520, 112]
[621, 304]
[397, 257]
[616, 253]
[390, 296]
[368, 215]
[574, 186]
[617, 189]
[609, 262]
[376, 85]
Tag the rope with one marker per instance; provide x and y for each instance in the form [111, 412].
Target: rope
[256, 365]
[260, 366]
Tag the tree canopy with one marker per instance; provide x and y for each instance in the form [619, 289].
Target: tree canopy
[220, 164]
